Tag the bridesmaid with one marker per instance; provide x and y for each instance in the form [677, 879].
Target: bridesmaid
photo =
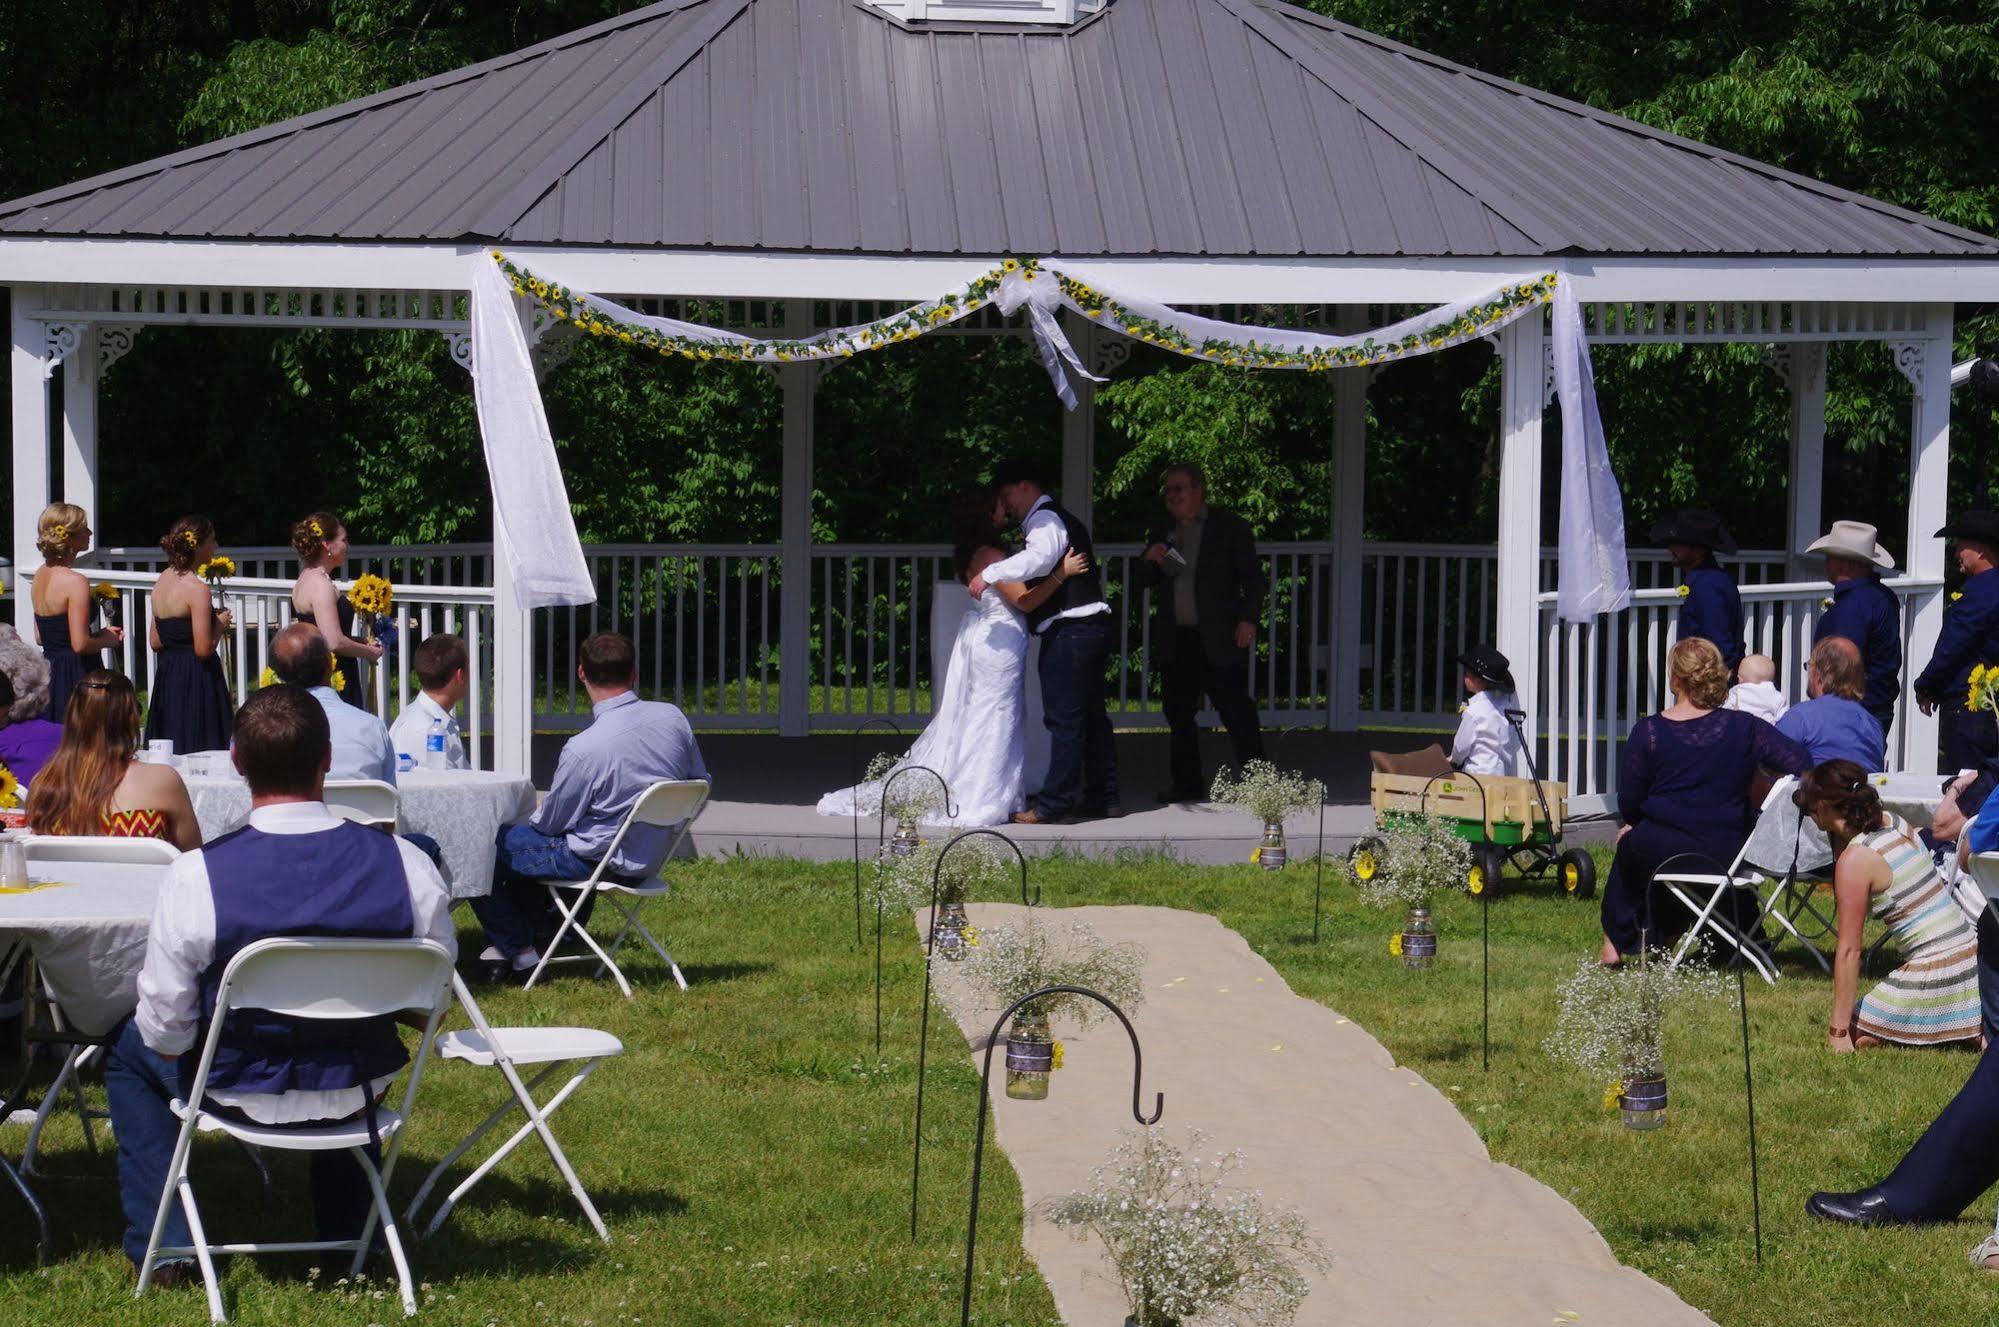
[321, 543]
[190, 702]
[63, 605]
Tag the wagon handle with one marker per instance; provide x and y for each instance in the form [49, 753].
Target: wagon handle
[1518, 718]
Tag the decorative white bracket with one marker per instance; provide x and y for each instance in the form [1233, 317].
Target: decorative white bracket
[114, 342]
[552, 349]
[1801, 366]
[1909, 357]
[64, 340]
[461, 349]
[1113, 352]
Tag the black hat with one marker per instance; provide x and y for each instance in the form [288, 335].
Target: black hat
[1980, 527]
[1015, 472]
[1691, 525]
[1488, 666]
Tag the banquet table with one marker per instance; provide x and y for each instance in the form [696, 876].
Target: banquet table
[462, 809]
[1784, 842]
[88, 933]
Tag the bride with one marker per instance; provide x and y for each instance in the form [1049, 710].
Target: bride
[975, 739]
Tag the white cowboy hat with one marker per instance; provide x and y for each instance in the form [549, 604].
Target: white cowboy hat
[1853, 539]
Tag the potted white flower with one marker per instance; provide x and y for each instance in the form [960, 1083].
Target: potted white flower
[909, 793]
[1414, 858]
[974, 865]
[1269, 794]
[1187, 1247]
[1010, 962]
[1611, 1025]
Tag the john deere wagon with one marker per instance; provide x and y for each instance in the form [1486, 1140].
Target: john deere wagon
[1507, 820]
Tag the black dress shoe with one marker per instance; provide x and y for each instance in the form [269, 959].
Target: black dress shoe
[1868, 1207]
[494, 972]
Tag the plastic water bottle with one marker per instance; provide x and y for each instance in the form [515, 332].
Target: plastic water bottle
[433, 745]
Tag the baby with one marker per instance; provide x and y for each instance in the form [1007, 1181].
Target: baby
[1757, 692]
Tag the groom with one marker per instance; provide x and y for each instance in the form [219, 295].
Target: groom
[1075, 631]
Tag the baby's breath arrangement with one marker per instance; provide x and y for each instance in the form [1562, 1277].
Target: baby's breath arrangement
[914, 795]
[1187, 1247]
[1612, 1020]
[1266, 791]
[979, 865]
[1419, 856]
[1012, 961]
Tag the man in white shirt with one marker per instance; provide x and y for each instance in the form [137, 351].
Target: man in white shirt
[1487, 742]
[1074, 626]
[296, 869]
[440, 665]
[361, 748]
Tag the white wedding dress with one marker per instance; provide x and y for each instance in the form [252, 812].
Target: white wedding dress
[976, 738]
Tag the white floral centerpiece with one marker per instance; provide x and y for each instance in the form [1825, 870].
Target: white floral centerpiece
[1010, 962]
[974, 865]
[908, 800]
[1269, 794]
[1187, 1247]
[1416, 857]
[1611, 1025]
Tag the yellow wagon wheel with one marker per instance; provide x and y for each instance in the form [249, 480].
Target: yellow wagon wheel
[1488, 864]
[1576, 872]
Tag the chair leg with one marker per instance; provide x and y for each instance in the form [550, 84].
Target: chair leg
[537, 1123]
[395, 1243]
[451, 1158]
[605, 960]
[562, 930]
[659, 949]
[198, 1237]
[51, 1102]
[45, 1246]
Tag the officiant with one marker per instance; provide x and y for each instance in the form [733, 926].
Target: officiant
[1208, 583]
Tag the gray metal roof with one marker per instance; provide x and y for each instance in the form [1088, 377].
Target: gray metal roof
[1169, 127]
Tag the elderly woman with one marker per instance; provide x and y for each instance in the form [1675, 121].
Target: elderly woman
[27, 740]
[1684, 789]
[1881, 866]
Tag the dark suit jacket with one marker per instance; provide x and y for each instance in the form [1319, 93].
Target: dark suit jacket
[1228, 588]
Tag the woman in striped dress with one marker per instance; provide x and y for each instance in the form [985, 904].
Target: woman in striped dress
[1933, 997]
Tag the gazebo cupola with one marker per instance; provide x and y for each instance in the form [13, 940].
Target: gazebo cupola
[1053, 12]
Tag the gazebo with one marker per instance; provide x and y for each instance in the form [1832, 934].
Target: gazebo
[804, 159]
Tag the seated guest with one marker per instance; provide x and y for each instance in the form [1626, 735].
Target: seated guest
[1486, 743]
[296, 869]
[95, 784]
[440, 665]
[1833, 724]
[1757, 692]
[1881, 865]
[630, 745]
[361, 747]
[27, 740]
[1684, 788]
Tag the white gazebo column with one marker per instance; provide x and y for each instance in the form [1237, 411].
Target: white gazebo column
[513, 665]
[1517, 617]
[1802, 367]
[1349, 509]
[30, 438]
[799, 383]
[1926, 363]
[1079, 428]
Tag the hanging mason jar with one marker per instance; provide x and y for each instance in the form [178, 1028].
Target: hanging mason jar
[1642, 1102]
[1271, 854]
[904, 842]
[1030, 1057]
[1419, 939]
[948, 938]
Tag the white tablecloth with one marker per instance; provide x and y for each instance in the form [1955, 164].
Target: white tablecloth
[1784, 840]
[89, 934]
[462, 809]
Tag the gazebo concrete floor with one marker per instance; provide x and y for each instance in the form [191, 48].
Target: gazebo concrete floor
[767, 786]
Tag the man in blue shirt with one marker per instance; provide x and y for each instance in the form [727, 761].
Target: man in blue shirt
[630, 745]
[1970, 636]
[1710, 605]
[1833, 724]
[361, 747]
[1864, 611]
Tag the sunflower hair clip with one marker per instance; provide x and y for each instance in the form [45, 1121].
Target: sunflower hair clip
[190, 539]
[59, 533]
[318, 531]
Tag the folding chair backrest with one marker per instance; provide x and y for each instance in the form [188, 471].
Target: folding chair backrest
[314, 977]
[80, 848]
[670, 802]
[1985, 870]
[1780, 792]
[364, 801]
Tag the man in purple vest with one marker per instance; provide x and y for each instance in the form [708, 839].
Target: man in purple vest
[295, 869]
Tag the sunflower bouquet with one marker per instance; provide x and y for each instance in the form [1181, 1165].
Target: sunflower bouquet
[110, 601]
[372, 596]
[10, 790]
[1983, 693]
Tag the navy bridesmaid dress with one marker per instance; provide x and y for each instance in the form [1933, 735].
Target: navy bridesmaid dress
[66, 666]
[190, 702]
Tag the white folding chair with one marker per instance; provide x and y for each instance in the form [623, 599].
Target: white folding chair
[507, 1049]
[1740, 875]
[667, 803]
[317, 979]
[365, 802]
[1983, 868]
[81, 848]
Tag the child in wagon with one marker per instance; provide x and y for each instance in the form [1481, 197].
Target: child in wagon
[1487, 743]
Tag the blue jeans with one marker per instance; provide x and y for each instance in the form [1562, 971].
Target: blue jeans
[1082, 757]
[140, 1082]
[519, 905]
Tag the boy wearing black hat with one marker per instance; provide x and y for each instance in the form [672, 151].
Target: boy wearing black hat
[1710, 604]
[1486, 742]
[1970, 636]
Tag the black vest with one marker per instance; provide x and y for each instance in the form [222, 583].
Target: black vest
[1087, 588]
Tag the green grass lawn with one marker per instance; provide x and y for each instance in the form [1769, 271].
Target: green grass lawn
[753, 1161]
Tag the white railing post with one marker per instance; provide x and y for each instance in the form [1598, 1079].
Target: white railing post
[1349, 510]
[1523, 389]
[794, 584]
[1927, 365]
[31, 444]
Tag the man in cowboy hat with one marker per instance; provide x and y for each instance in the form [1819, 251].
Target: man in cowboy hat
[1864, 611]
[1710, 605]
[1970, 636]
[1486, 743]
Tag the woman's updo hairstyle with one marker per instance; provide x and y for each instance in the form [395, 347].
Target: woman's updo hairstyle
[56, 529]
[1702, 676]
[309, 536]
[1843, 788]
[184, 541]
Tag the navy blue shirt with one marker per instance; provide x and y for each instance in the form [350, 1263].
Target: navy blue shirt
[1835, 728]
[1970, 636]
[1712, 610]
[1867, 613]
